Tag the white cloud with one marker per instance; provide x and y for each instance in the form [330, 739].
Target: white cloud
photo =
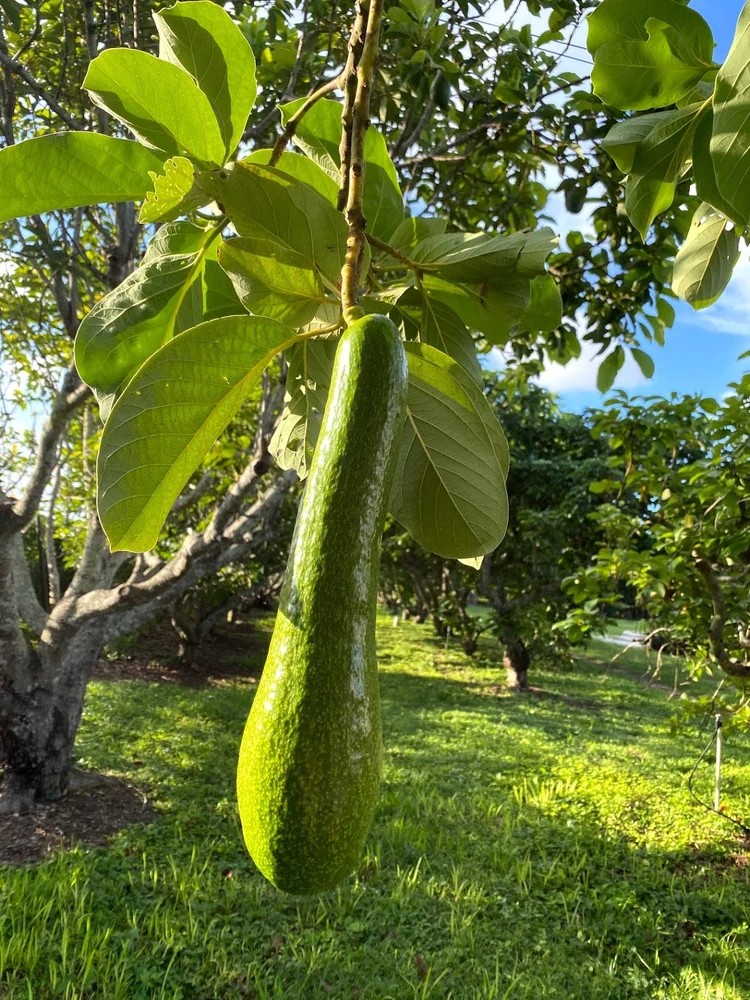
[579, 375]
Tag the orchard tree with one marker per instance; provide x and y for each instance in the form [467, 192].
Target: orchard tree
[676, 528]
[174, 349]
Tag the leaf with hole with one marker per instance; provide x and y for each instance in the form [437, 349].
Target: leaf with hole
[706, 260]
[175, 192]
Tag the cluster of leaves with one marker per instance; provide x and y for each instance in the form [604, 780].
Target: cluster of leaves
[660, 56]
[172, 353]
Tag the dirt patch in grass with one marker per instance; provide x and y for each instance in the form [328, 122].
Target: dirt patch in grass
[236, 650]
[88, 815]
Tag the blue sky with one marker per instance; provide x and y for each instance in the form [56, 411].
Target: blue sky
[702, 349]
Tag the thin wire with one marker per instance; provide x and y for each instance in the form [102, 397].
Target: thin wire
[745, 829]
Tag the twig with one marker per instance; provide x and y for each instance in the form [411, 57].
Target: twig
[291, 126]
[354, 214]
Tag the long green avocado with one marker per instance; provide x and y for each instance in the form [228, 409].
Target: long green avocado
[310, 760]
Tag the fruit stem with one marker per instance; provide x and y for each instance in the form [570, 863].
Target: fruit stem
[355, 119]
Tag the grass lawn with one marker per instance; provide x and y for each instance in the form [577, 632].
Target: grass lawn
[526, 847]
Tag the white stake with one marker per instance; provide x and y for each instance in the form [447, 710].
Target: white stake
[717, 785]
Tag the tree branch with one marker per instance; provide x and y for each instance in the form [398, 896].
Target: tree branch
[71, 395]
[19, 70]
[731, 666]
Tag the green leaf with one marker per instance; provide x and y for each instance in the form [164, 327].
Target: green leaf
[705, 261]
[440, 327]
[307, 382]
[201, 38]
[175, 192]
[623, 139]
[609, 368]
[644, 361]
[319, 136]
[272, 280]
[265, 204]
[647, 53]
[645, 198]
[71, 169]
[219, 296]
[730, 150]
[136, 318]
[302, 169]
[413, 230]
[704, 173]
[657, 144]
[158, 102]
[169, 415]
[449, 487]
[475, 257]
[544, 311]
[661, 159]
[492, 310]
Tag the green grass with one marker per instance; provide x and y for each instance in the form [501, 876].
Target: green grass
[526, 847]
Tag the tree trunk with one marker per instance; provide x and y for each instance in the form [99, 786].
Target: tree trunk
[516, 661]
[40, 710]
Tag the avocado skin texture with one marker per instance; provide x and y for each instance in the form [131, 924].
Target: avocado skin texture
[310, 760]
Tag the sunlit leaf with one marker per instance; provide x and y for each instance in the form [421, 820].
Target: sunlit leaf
[319, 135]
[136, 318]
[266, 204]
[476, 257]
[730, 150]
[158, 102]
[272, 280]
[705, 261]
[647, 53]
[174, 193]
[169, 415]
[71, 169]
[202, 39]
